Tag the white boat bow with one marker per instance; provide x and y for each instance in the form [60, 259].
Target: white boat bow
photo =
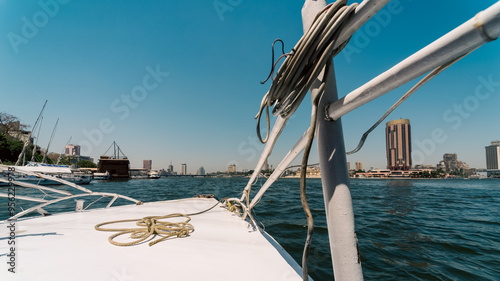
[66, 246]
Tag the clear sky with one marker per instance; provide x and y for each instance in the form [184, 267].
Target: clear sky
[178, 81]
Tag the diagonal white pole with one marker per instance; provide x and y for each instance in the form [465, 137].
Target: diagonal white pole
[482, 28]
[362, 14]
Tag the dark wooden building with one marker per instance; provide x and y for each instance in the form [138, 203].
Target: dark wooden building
[117, 168]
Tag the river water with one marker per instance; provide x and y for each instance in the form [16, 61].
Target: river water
[416, 229]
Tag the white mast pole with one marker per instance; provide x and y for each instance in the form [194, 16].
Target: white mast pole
[36, 140]
[48, 145]
[333, 164]
[26, 143]
[334, 175]
[62, 152]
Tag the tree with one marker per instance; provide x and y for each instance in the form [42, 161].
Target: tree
[434, 174]
[65, 161]
[9, 123]
[426, 174]
[86, 164]
[10, 149]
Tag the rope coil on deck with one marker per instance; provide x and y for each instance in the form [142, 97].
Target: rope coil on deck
[151, 226]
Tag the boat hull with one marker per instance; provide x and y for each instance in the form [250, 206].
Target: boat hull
[41, 181]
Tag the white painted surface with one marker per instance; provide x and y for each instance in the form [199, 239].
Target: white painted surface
[67, 247]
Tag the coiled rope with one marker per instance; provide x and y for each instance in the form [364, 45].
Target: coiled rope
[305, 62]
[151, 226]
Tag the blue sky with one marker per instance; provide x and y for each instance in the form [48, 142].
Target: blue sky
[178, 81]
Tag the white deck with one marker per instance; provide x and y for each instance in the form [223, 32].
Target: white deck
[67, 247]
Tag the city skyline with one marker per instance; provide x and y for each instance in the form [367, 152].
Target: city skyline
[168, 88]
[398, 139]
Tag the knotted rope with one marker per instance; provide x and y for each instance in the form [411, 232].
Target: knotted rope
[149, 226]
[152, 225]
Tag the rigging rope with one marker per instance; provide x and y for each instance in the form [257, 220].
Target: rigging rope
[273, 63]
[303, 174]
[424, 80]
[305, 62]
[312, 54]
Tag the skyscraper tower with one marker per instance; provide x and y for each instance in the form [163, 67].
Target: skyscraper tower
[493, 156]
[358, 166]
[201, 171]
[170, 168]
[72, 149]
[147, 164]
[398, 144]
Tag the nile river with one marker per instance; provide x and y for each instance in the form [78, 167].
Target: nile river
[407, 229]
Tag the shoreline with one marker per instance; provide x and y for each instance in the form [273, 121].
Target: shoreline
[391, 178]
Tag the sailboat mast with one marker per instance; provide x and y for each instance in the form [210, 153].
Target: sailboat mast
[48, 145]
[117, 152]
[60, 155]
[26, 143]
[332, 157]
[36, 140]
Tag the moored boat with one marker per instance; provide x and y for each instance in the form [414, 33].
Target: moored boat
[30, 173]
[153, 174]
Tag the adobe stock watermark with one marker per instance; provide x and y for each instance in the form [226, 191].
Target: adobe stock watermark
[455, 116]
[362, 38]
[32, 25]
[122, 107]
[223, 6]
[251, 148]
[11, 224]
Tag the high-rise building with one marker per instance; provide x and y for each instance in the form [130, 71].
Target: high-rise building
[348, 165]
[450, 163]
[358, 166]
[147, 164]
[170, 168]
[72, 149]
[231, 168]
[398, 144]
[493, 156]
[201, 171]
[183, 169]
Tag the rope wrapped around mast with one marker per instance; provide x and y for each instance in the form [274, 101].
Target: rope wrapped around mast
[302, 67]
[305, 62]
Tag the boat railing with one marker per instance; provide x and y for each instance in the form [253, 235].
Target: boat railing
[66, 195]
